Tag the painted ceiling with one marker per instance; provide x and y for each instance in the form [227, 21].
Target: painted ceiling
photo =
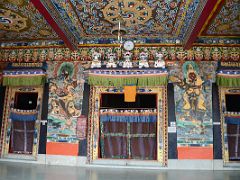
[226, 22]
[92, 21]
[21, 21]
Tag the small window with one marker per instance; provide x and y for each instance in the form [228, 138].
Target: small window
[25, 101]
[233, 102]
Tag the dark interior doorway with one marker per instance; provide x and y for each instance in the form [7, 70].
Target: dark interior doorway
[117, 101]
[233, 102]
[121, 137]
[26, 100]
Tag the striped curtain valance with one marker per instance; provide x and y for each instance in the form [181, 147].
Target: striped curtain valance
[23, 115]
[232, 120]
[24, 77]
[228, 78]
[120, 78]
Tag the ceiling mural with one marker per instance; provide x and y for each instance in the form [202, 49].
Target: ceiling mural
[140, 18]
[227, 21]
[20, 21]
[93, 21]
[145, 21]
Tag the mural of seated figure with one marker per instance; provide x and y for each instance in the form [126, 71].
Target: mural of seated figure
[127, 63]
[143, 60]
[96, 62]
[111, 61]
[159, 62]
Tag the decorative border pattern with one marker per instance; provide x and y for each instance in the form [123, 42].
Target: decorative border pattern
[94, 124]
[84, 54]
[194, 20]
[67, 29]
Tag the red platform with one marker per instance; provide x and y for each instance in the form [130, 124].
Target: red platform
[57, 148]
[195, 152]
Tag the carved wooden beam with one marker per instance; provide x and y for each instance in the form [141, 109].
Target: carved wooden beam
[202, 17]
[51, 21]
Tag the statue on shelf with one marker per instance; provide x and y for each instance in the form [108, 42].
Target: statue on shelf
[127, 63]
[111, 61]
[96, 62]
[143, 60]
[159, 63]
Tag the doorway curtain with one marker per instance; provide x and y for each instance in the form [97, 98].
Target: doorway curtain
[22, 131]
[128, 135]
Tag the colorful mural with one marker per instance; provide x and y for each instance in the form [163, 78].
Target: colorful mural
[192, 12]
[19, 20]
[65, 101]
[226, 22]
[193, 102]
[92, 21]
[84, 54]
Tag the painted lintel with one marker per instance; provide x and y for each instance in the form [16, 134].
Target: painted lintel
[40, 7]
[208, 11]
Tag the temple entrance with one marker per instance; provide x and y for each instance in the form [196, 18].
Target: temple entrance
[233, 126]
[22, 131]
[230, 116]
[21, 128]
[128, 130]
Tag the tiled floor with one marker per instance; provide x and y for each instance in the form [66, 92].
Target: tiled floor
[21, 171]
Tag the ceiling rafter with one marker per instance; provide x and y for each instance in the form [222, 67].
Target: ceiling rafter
[71, 44]
[202, 17]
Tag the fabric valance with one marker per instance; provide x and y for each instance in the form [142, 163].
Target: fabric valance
[23, 115]
[24, 77]
[131, 119]
[232, 120]
[112, 115]
[120, 78]
[228, 78]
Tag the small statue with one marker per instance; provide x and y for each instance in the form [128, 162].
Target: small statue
[159, 63]
[96, 62]
[143, 62]
[111, 61]
[127, 63]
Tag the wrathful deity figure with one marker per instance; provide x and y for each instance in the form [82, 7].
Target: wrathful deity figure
[192, 84]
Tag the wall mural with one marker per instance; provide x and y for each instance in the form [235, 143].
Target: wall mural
[66, 85]
[193, 102]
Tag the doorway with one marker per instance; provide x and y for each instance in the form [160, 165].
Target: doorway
[22, 130]
[127, 130]
[21, 125]
[233, 126]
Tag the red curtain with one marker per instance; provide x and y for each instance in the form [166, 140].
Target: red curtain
[125, 140]
[22, 135]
